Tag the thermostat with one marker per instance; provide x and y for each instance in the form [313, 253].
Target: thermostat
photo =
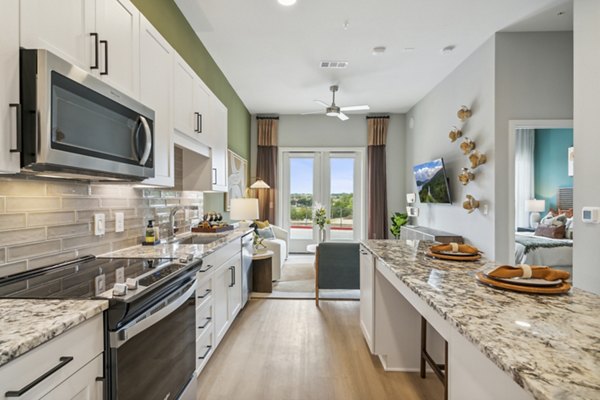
[411, 198]
[590, 215]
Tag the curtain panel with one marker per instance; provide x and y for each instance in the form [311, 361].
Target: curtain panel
[376, 178]
[524, 174]
[266, 166]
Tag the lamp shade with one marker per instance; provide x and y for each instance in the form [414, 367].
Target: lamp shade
[244, 209]
[260, 184]
[534, 205]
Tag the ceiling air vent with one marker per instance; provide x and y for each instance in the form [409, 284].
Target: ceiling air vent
[334, 64]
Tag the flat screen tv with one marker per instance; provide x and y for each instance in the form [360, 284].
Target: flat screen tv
[432, 183]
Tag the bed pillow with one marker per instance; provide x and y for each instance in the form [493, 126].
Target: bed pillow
[550, 231]
[550, 220]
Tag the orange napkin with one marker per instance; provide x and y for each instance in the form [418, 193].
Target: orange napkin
[525, 271]
[455, 247]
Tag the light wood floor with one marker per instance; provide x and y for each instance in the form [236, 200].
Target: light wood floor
[289, 349]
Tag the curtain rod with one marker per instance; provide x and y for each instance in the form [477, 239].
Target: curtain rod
[265, 117]
[378, 116]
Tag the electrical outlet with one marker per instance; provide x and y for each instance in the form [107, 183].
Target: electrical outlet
[120, 275]
[119, 222]
[99, 224]
[100, 284]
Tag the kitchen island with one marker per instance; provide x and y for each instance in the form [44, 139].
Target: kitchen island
[501, 345]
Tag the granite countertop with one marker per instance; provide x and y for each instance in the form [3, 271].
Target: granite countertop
[549, 345]
[176, 250]
[25, 324]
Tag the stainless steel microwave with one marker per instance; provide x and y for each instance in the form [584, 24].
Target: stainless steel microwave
[73, 125]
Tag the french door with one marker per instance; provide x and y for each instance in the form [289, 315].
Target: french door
[331, 179]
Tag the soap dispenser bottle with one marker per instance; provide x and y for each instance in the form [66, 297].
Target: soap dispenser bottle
[150, 232]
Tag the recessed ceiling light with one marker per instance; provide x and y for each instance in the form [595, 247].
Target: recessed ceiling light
[287, 2]
[408, 49]
[378, 50]
[447, 49]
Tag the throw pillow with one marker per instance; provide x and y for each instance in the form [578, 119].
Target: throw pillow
[567, 212]
[262, 224]
[266, 233]
[558, 220]
[550, 231]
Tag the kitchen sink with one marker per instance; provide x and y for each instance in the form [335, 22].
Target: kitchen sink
[196, 239]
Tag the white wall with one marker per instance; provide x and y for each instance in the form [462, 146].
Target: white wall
[586, 272]
[322, 131]
[471, 84]
[534, 81]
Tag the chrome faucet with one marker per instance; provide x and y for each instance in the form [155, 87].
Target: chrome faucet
[173, 229]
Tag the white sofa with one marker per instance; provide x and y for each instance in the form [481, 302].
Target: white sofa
[279, 246]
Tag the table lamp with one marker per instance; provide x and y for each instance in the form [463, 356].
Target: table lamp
[534, 207]
[245, 210]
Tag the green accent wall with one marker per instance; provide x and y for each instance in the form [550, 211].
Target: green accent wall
[170, 22]
[551, 164]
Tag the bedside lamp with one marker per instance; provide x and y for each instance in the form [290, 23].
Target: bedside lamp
[245, 210]
[535, 207]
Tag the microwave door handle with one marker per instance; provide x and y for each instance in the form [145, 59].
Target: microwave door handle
[123, 335]
[148, 146]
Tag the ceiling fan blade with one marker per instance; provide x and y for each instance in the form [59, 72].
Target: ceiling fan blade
[313, 112]
[342, 116]
[322, 103]
[355, 108]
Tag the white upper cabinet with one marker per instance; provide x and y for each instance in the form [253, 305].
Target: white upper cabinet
[9, 86]
[118, 24]
[183, 97]
[156, 63]
[218, 143]
[202, 96]
[64, 27]
[100, 36]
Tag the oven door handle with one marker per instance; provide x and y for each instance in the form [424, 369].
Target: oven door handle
[123, 335]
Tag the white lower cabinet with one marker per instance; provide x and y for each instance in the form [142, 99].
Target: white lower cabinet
[367, 303]
[218, 299]
[66, 367]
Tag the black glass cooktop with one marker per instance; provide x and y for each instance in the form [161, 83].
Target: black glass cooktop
[84, 278]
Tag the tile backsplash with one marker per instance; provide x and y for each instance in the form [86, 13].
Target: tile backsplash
[46, 221]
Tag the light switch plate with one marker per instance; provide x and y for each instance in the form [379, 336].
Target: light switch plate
[100, 284]
[120, 275]
[119, 222]
[99, 224]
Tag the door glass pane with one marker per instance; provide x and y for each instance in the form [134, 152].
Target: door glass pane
[301, 198]
[342, 198]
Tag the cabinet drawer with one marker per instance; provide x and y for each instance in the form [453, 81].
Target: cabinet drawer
[73, 349]
[82, 384]
[217, 258]
[204, 349]
[204, 316]
[204, 292]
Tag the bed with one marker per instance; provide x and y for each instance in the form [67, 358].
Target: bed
[539, 250]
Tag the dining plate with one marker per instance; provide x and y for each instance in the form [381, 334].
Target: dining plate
[528, 282]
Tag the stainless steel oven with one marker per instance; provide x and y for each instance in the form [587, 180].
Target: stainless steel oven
[75, 125]
[152, 354]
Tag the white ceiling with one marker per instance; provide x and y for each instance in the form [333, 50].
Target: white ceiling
[270, 53]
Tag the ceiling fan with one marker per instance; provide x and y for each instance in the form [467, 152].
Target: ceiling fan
[332, 110]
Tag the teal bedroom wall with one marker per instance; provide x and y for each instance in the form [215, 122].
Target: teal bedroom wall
[170, 22]
[551, 164]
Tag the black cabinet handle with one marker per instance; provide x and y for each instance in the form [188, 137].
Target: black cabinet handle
[18, 393]
[206, 323]
[202, 357]
[96, 56]
[199, 121]
[17, 149]
[209, 266]
[105, 43]
[205, 294]
[214, 176]
[232, 269]
[196, 128]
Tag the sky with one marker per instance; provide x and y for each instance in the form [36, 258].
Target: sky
[301, 174]
[423, 172]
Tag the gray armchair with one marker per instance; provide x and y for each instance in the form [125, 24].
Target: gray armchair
[337, 266]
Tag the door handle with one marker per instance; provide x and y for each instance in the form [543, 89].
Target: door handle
[105, 43]
[232, 269]
[96, 55]
[18, 393]
[18, 109]
[199, 122]
[196, 121]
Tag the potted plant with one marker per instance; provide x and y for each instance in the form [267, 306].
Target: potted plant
[398, 219]
[320, 219]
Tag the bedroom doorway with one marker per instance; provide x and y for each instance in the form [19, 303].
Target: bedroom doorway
[541, 202]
